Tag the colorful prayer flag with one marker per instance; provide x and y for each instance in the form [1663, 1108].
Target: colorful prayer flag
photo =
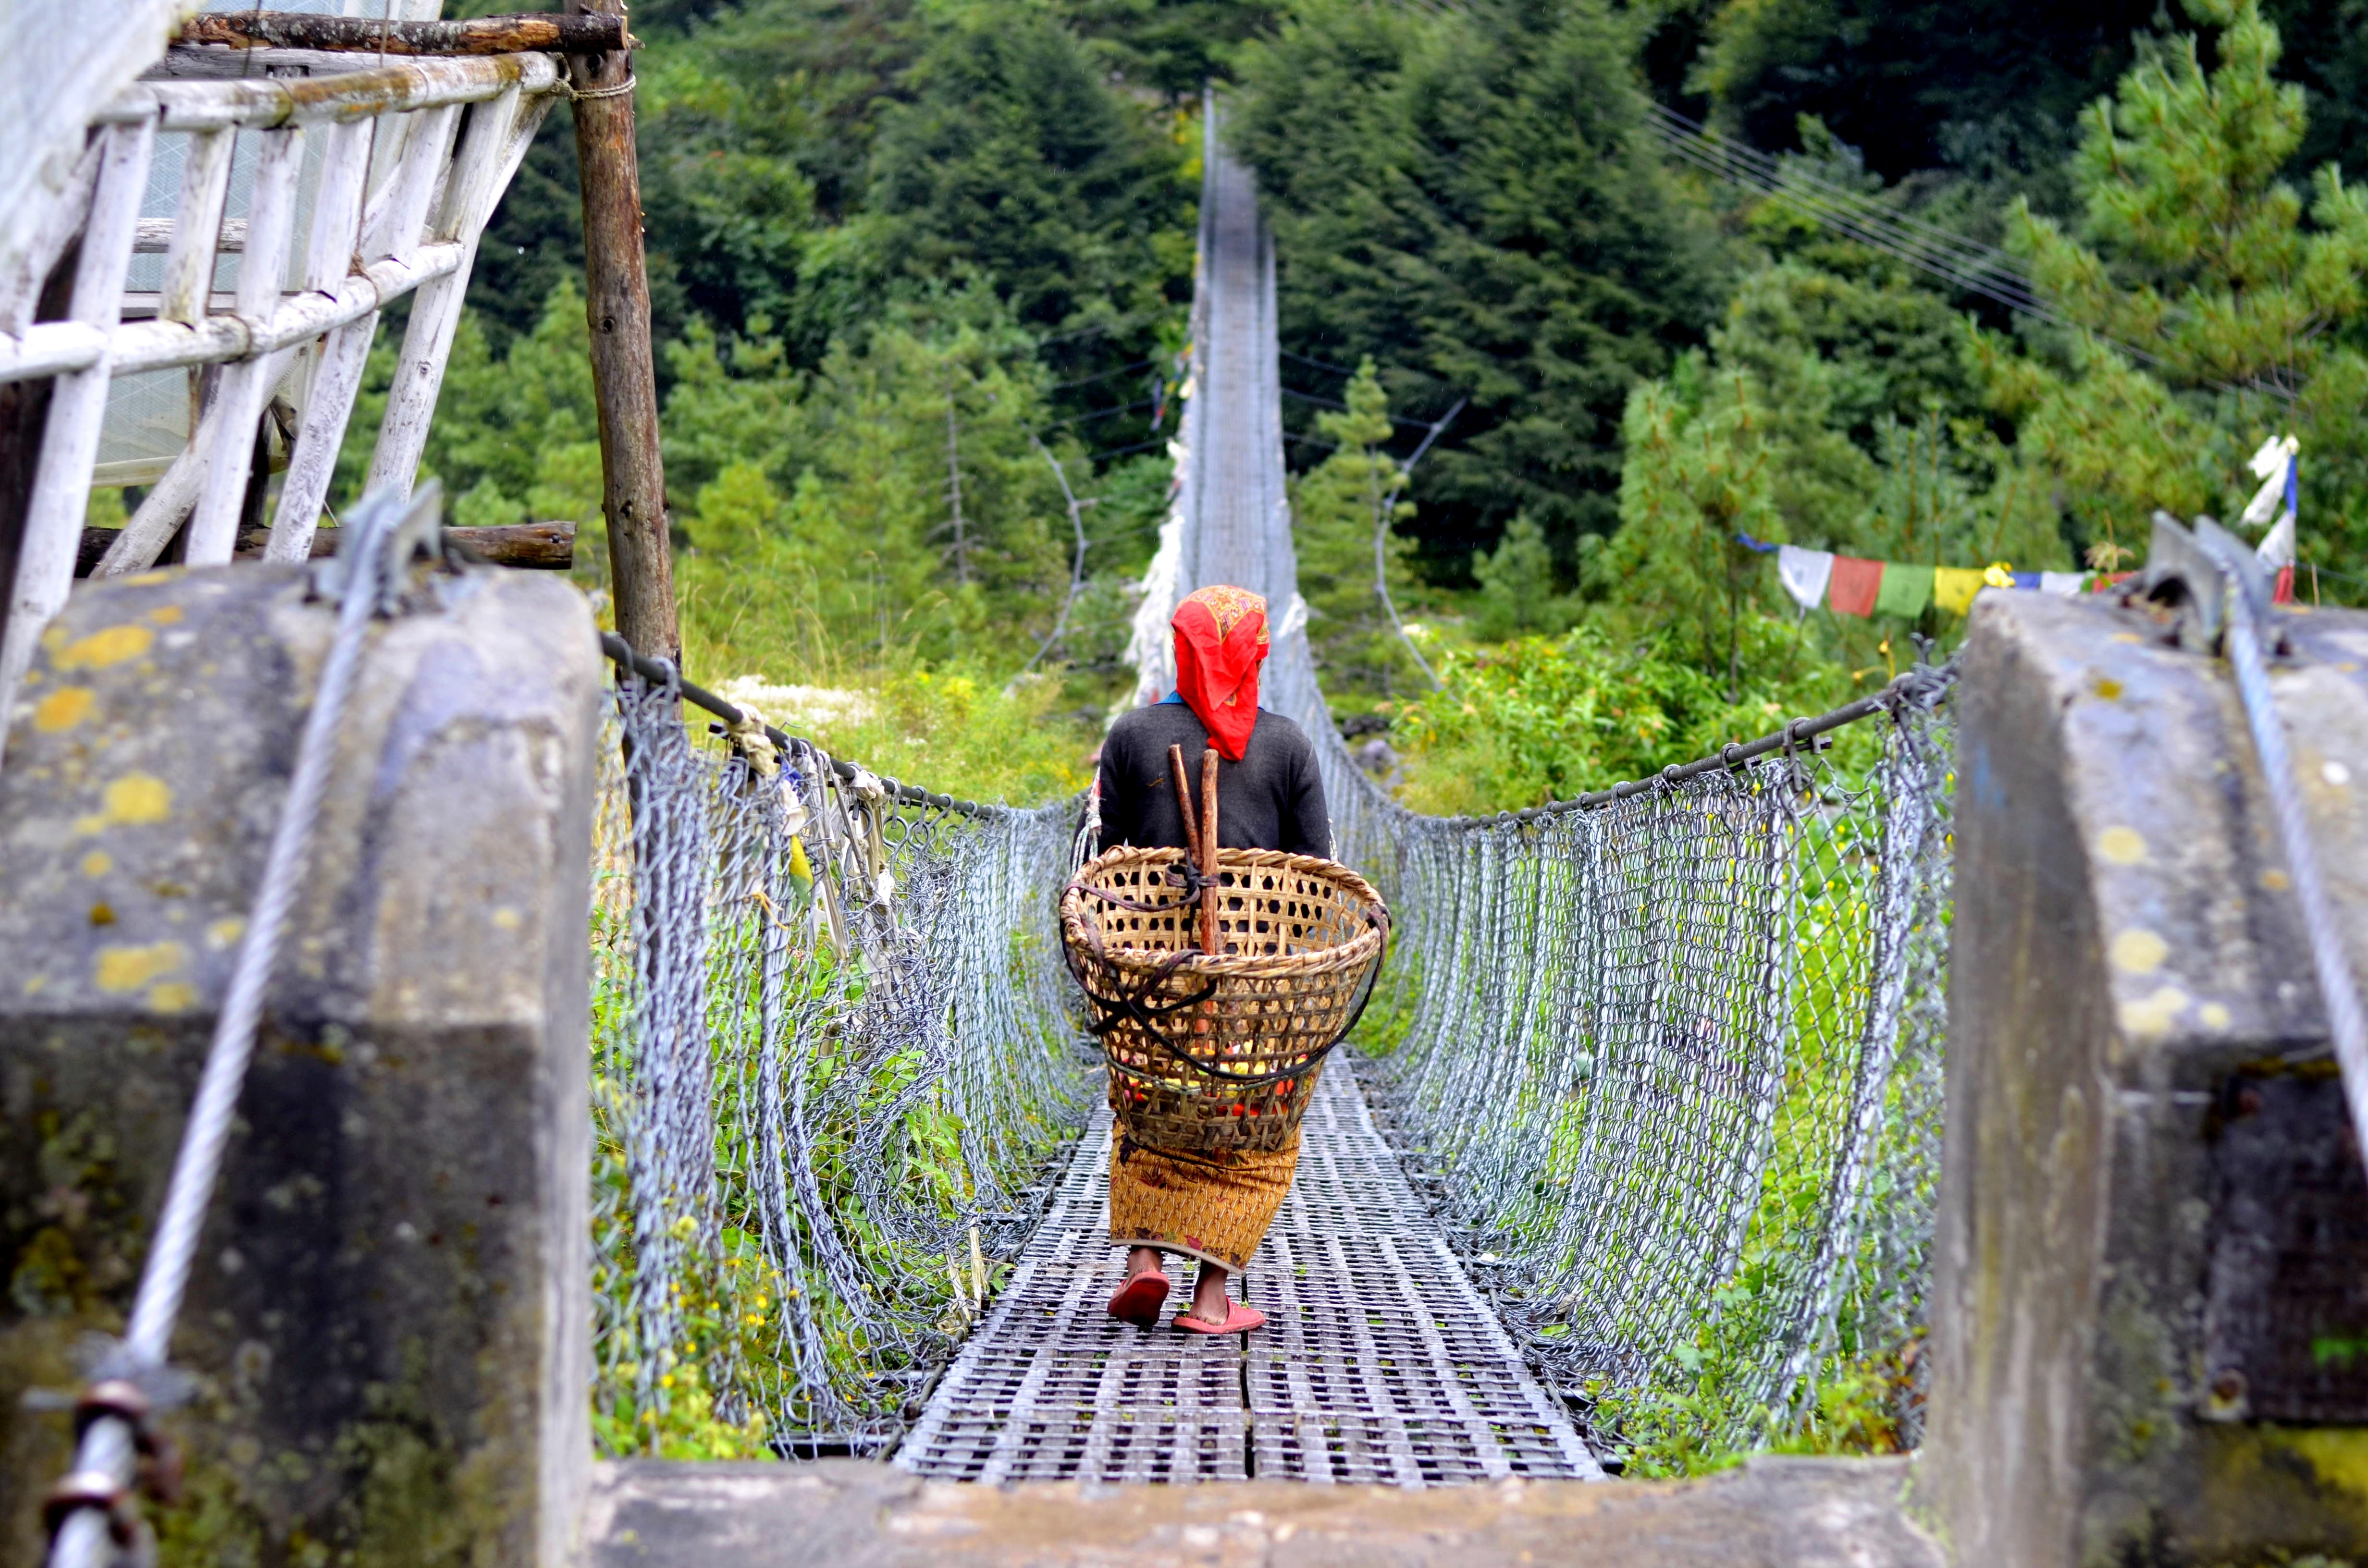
[1854, 585]
[1804, 573]
[1953, 588]
[1905, 589]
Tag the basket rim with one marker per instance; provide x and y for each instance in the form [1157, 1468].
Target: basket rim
[1358, 948]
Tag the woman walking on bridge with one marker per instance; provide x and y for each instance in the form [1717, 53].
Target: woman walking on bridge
[1214, 1207]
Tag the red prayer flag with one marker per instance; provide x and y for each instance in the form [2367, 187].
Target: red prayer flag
[1854, 585]
[2283, 594]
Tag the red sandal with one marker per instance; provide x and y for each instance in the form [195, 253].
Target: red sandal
[1240, 1319]
[1139, 1300]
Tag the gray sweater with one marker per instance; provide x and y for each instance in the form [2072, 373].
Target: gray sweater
[1272, 799]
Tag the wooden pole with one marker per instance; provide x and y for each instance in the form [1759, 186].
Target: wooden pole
[598, 30]
[1210, 942]
[624, 366]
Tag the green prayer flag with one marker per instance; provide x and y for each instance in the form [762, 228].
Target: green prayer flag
[1905, 589]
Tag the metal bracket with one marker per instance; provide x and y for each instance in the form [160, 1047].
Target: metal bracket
[2193, 572]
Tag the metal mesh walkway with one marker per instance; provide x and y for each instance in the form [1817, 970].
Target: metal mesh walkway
[1379, 1363]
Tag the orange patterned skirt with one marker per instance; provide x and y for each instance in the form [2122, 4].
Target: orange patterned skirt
[1213, 1207]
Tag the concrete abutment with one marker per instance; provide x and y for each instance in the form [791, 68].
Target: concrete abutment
[389, 1317]
[2152, 1253]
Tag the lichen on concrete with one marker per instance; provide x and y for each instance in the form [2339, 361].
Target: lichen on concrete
[385, 1319]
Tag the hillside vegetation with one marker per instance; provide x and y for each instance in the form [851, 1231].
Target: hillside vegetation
[922, 269]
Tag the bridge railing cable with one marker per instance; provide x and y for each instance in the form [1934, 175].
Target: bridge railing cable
[832, 1054]
[1668, 1056]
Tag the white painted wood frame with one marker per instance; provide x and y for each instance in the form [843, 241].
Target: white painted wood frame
[418, 231]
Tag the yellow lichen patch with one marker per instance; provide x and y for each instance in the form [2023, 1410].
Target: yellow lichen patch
[226, 931]
[34, 984]
[2338, 1455]
[2127, 636]
[133, 799]
[2215, 1017]
[98, 863]
[506, 918]
[2121, 845]
[2276, 880]
[131, 969]
[2108, 689]
[141, 579]
[2139, 953]
[166, 615]
[61, 710]
[2153, 1015]
[173, 996]
[100, 649]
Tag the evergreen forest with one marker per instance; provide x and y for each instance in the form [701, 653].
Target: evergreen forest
[921, 272]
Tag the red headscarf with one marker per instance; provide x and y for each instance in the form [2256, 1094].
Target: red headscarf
[1220, 643]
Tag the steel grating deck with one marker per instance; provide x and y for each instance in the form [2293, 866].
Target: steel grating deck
[1379, 1361]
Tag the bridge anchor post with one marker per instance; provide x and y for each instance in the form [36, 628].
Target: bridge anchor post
[387, 1328]
[2150, 1296]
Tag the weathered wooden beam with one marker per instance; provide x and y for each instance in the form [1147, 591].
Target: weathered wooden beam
[538, 546]
[586, 34]
[624, 366]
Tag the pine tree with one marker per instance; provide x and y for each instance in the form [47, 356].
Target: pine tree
[2211, 270]
[1696, 476]
[1353, 558]
[1470, 198]
[2240, 300]
[1517, 586]
[848, 537]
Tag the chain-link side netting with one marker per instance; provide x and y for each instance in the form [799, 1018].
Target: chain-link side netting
[1671, 1064]
[832, 1052]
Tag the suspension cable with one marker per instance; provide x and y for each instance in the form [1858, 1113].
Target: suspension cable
[1920, 686]
[661, 673]
[2347, 1024]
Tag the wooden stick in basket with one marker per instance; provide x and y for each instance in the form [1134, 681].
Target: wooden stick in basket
[1184, 803]
[1210, 943]
[1194, 846]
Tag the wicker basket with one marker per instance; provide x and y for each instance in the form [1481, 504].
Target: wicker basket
[1212, 1054]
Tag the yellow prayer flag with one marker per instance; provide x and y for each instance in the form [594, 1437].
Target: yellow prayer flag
[1953, 588]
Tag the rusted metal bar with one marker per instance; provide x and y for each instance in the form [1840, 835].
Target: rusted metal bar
[624, 366]
[587, 34]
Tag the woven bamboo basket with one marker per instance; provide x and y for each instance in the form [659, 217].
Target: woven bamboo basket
[1220, 1053]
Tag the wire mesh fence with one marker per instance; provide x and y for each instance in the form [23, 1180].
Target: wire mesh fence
[831, 1058]
[1671, 1063]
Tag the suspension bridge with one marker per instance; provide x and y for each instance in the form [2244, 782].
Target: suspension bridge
[1642, 1142]
[1647, 1043]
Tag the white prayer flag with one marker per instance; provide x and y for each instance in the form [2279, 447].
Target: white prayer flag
[2269, 464]
[1805, 573]
[2278, 550]
[2065, 583]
